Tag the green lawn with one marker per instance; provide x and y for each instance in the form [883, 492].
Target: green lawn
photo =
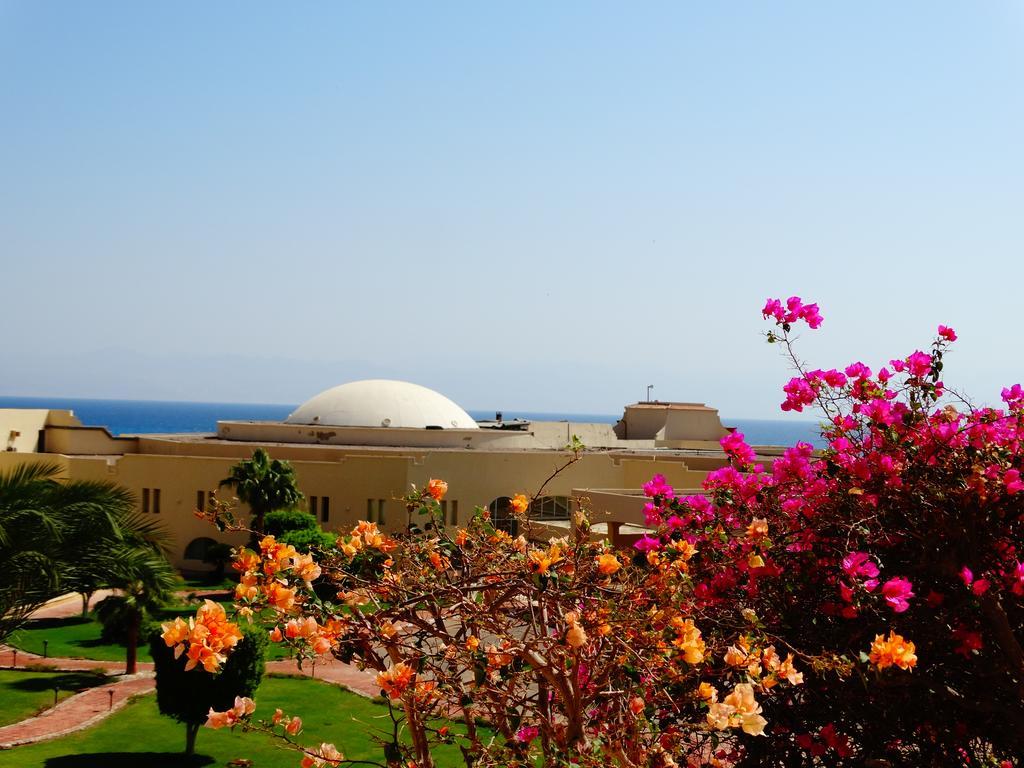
[139, 737]
[23, 694]
[79, 638]
[75, 638]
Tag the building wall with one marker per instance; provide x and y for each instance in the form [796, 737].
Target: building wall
[360, 482]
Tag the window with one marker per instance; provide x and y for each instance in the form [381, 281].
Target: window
[550, 508]
[502, 516]
[151, 500]
[450, 512]
[325, 508]
[201, 501]
[374, 511]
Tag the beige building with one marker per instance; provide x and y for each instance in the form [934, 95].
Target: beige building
[358, 448]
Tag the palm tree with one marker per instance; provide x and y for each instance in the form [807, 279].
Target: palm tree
[60, 535]
[145, 581]
[29, 532]
[264, 485]
[104, 519]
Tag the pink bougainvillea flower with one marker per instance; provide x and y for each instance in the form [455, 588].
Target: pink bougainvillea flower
[648, 544]
[794, 310]
[527, 734]
[919, 364]
[897, 593]
[966, 576]
[1013, 395]
[812, 315]
[968, 641]
[947, 333]
[858, 371]
[860, 564]
[1013, 482]
[773, 308]
[735, 446]
[657, 486]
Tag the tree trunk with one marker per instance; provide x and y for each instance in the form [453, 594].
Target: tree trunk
[191, 730]
[133, 643]
[85, 603]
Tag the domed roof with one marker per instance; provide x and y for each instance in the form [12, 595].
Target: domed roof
[382, 403]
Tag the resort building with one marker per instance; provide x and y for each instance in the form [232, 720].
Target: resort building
[357, 449]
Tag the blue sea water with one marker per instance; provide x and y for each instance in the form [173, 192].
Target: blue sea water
[128, 417]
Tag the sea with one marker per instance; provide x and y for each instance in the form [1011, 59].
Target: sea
[133, 417]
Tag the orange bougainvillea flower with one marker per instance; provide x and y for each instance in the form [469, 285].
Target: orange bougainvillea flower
[758, 528]
[894, 651]
[739, 710]
[280, 596]
[439, 562]
[519, 503]
[541, 562]
[608, 564]
[247, 561]
[306, 568]
[205, 639]
[436, 489]
[688, 640]
[575, 636]
[325, 754]
[396, 680]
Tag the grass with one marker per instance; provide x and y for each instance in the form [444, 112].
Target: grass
[79, 638]
[139, 736]
[76, 638]
[207, 583]
[24, 694]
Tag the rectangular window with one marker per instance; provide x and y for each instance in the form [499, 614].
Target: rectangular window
[201, 501]
[156, 501]
[145, 500]
[369, 510]
[325, 508]
[380, 511]
[444, 511]
[455, 513]
[313, 505]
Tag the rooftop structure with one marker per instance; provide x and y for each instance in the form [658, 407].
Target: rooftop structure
[382, 403]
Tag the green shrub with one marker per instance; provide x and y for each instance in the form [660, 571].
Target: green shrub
[284, 520]
[304, 540]
[189, 696]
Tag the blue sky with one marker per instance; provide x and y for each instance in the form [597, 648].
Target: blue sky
[540, 206]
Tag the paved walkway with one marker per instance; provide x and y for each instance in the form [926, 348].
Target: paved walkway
[76, 712]
[84, 709]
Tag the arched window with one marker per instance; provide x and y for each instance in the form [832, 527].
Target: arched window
[197, 548]
[502, 517]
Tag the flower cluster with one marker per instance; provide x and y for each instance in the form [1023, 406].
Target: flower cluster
[205, 639]
[244, 707]
[794, 310]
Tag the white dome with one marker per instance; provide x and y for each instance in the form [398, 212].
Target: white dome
[382, 403]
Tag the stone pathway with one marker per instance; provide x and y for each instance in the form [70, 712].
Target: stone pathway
[76, 712]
